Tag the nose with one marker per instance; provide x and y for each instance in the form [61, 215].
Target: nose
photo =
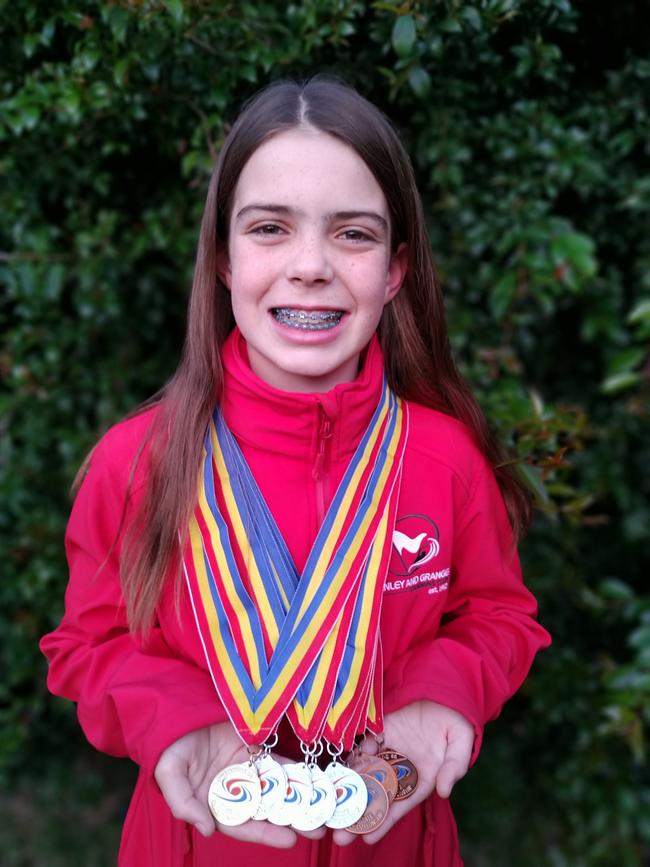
[310, 262]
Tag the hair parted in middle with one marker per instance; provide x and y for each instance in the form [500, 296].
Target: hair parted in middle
[412, 330]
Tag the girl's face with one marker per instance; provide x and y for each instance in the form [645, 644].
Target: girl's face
[309, 261]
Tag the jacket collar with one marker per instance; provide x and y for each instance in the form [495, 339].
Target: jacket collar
[262, 416]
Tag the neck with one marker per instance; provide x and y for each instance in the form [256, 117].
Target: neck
[301, 381]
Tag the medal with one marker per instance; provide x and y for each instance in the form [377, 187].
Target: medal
[235, 794]
[350, 792]
[380, 769]
[322, 803]
[273, 785]
[376, 807]
[407, 773]
[297, 796]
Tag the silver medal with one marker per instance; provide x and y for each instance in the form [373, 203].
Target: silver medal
[235, 794]
[322, 803]
[297, 796]
[351, 795]
[273, 783]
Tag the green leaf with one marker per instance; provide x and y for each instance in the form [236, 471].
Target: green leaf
[48, 31]
[29, 116]
[120, 70]
[175, 7]
[577, 249]
[118, 20]
[635, 681]
[30, 43]
[53, 283]
[404, 35]
[640, 637]
[640, 313]
[420, 81]
[503, 294]
[473, 18]
[626, 360]
[614, 588]
[346, 28]
[71, 102]
[450, 25]
[87, 60]
[619, 382]
[532, 477]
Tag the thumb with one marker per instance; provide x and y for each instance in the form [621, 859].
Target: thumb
[454, 766]
[448, 775]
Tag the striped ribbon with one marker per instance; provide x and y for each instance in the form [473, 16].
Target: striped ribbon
[278, 642]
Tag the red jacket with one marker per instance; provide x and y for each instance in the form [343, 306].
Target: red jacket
[457, 623]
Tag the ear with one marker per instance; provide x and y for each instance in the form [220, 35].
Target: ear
[223, 266]
[397, 268]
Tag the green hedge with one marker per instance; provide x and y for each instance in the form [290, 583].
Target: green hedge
[528, 126]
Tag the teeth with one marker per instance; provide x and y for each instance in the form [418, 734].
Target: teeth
[309, 320]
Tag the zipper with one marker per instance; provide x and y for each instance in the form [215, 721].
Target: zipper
[318, 471]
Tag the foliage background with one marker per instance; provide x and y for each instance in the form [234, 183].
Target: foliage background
[528, 126]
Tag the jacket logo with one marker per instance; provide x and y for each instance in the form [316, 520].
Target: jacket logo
[422, 546]
[416, 541]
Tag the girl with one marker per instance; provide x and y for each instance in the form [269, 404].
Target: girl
[302, 534]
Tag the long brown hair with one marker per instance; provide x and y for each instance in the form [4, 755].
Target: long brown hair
[412, 330]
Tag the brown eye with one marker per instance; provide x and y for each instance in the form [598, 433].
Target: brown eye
[356, 235]
[267, 229]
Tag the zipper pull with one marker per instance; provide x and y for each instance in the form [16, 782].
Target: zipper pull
[324, 434]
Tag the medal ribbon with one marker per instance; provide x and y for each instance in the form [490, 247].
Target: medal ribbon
[276, 641]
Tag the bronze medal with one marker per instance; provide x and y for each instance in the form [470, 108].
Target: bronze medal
[380, 769]
[407, 773]
[376, 807]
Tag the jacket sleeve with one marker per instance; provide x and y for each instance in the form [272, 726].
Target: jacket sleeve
[134, 697]
[488, 635]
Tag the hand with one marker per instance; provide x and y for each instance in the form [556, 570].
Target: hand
[438, 740]
[184, 773]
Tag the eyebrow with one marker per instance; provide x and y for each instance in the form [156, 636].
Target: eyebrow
[336, 215]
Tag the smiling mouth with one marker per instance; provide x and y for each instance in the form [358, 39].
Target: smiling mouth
[307, 320]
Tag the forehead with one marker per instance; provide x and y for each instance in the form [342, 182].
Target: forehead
[304, 166]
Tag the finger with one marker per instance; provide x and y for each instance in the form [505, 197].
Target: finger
[193, 811]
[181, 799]
[343, 838]
[261, 832]
[316, 834]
